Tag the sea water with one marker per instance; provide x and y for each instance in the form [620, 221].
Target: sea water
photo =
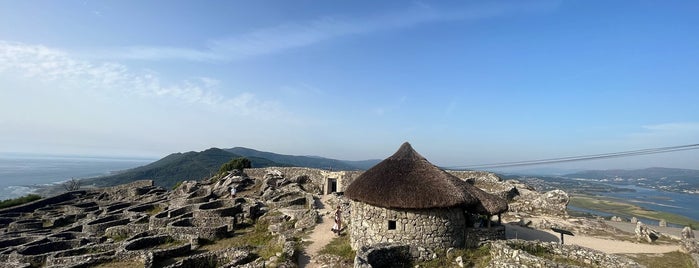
[21, 174]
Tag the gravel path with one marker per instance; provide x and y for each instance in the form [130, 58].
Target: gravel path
[320, 235]
[604, 245]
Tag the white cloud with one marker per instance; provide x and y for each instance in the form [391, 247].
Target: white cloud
[677, 133]
[300, 34]
[41, 62]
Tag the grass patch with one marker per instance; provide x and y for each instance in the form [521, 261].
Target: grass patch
[255, 235]
[472, 257]
[621, 208]
[19, 200]
[671, 259]
[340, 246]
[119, 237]
[177, 185]
[155, 210]
[121, 264]
[169, 243]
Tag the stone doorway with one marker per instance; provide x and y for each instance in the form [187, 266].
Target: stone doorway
[332, 186]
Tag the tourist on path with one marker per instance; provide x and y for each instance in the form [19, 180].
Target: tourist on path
[337, 228]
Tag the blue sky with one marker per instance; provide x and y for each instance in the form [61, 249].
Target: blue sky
[466, 82]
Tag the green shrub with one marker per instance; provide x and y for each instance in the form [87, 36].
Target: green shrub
[177, 185]
[239, 163]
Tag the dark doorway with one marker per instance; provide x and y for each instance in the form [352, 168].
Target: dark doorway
[332, 185]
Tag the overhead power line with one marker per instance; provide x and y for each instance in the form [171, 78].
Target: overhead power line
[583, 157]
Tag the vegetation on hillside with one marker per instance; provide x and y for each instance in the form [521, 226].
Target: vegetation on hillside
[177, 167]
[19, 200]
[239, 163]
[306, 161]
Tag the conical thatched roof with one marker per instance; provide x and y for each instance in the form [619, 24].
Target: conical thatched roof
[489, 204]
[408, 180]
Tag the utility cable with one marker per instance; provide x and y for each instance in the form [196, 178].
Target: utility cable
[582, 157]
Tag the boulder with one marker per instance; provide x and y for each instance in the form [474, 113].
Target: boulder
[644, 233]
[308, 220]
[687, 233]
[616, 219]
[689, 246]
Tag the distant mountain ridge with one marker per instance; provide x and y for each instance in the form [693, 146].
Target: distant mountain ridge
[307, 161]
[177, 167]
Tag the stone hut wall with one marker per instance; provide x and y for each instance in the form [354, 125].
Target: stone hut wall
[476, 237]
[432, 228]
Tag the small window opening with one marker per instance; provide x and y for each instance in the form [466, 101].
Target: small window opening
[391, 225]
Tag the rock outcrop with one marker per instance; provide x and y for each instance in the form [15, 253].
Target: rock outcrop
[643, 233]
[147, 224]
[687, 233]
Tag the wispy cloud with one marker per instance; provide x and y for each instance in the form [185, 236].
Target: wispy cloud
[41, 62]
[665, 134]
[292, 35]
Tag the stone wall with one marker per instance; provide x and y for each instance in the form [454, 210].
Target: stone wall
[476, 237]
[383, 255]
[317, 176]
[433, 228]
[515, 253]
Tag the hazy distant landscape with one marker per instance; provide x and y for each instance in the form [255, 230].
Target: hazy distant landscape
[661, 189]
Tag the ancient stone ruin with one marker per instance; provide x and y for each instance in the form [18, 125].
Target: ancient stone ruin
[407, 200]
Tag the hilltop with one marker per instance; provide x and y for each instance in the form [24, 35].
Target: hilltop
[275, 214]
[178, 167]
[307, 161]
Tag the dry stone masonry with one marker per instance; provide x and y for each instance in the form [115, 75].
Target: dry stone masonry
[435, 228]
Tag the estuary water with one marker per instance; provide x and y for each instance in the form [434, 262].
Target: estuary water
[21, 174]
[652, 199]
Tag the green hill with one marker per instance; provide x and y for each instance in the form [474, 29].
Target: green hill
[306, 161]
[177, 167]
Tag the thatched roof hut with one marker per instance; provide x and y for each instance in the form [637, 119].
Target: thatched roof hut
[407, 180]
[488, 204]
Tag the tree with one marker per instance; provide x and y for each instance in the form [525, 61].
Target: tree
[239, 163]
[72, 185]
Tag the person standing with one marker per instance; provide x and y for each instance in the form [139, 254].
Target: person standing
[233, 192]
[338, 220]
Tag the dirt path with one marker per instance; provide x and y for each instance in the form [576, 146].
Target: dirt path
[320, 235]
[604, 245]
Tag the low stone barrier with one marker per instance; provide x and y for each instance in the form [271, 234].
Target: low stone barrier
[515, 253]
[476, 237]
[25, 225]
[100, 225]
[36, 254]
[383, 255]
